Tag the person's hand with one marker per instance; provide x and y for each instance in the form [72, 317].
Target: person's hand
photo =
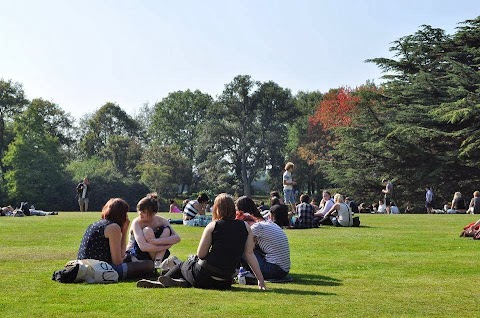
[261, 285]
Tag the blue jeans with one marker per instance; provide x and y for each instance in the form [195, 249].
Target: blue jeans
[289, 196]
[269, 270]
[121, 270]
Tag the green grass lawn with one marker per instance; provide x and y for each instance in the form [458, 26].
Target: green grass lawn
[394, 265]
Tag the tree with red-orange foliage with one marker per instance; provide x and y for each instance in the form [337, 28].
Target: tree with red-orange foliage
[336, 109]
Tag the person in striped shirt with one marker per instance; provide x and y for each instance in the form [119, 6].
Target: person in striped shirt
[272, 249]
[194, 207]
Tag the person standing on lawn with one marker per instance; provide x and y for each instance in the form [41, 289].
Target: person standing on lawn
[83, 190]
[288, 184]
[388, 194]
[429, 199]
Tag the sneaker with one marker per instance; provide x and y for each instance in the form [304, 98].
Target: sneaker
[145, 283]
[167, 281]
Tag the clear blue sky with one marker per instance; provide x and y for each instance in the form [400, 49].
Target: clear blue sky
[81, 54]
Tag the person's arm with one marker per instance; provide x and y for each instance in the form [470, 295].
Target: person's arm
[125, 236]
[322, 212]
[174, 238]
[252, 259]
[205, 241]
[335, 207]
[453, 204]
[286, 182]
[200, 208]
[115, 239]
[388, 188]
[142, 242]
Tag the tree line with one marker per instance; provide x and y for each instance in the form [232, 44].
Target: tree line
[417, 128]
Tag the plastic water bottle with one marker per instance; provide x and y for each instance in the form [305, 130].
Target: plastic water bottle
[241, 276]
[158, 266]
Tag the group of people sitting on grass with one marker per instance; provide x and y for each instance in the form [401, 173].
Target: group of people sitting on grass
[458, 204]
[237, 236]
[336, 211]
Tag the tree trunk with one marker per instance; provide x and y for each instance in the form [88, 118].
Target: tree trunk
[244, 172]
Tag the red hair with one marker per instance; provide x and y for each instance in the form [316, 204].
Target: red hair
[223, 207]
[115, 210]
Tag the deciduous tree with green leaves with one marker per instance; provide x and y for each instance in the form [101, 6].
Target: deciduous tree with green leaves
[247, 128]
[35, 161]
[12, 102]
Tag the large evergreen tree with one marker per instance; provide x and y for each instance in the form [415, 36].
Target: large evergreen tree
[421, 127]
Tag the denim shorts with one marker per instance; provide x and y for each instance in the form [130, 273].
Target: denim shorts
[289, 196]
[269, 270]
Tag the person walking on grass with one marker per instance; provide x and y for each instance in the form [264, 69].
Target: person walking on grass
[288, 184]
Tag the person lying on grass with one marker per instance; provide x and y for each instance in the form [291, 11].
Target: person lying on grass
[223, 242]
[150, 235]
[106, 240]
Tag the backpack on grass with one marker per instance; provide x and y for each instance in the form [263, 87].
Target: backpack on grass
[86, 270]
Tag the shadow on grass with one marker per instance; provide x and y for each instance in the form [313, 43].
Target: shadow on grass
[317, 280]
[357, 227]
[272, 288]
[307, 280]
